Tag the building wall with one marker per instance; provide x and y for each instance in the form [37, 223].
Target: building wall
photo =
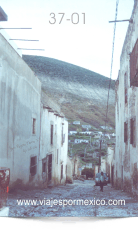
[110, 162]
[95, 170]
[69, 170]
[25, 125]
[75, 166]
[20, 92]
[126, 156]
[57, 149]
[77, 141]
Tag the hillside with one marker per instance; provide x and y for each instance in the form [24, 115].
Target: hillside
[81, 93]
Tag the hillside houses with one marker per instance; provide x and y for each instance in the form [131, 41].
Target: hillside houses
[78, 141]
[76, 122]
[87, 127]
[106, 127]
[86, 133]
[72, 132]
[33, 131]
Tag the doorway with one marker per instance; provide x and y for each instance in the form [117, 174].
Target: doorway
[49, 167]
[44, 170]
[112, 175]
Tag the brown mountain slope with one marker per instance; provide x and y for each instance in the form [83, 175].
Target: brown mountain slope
[81, 93]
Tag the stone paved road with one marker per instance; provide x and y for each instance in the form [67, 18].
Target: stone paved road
[79, 190]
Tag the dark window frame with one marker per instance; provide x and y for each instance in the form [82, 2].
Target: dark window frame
[134, 66]
[126, 87]
[51, 133]
[125, 132]
[33, 165]
[61, 171]
[133, 131]
[62, 136]
[34, 126]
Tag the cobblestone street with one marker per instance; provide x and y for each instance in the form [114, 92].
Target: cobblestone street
[79, 190]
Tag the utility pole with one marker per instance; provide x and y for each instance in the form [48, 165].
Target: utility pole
[85, 152]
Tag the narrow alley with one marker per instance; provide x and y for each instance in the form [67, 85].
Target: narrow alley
[80, 191]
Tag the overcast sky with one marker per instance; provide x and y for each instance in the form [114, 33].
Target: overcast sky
[87, 45]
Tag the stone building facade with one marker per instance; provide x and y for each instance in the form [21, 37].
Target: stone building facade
[126, 110]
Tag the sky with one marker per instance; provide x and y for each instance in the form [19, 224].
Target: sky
[84, 40]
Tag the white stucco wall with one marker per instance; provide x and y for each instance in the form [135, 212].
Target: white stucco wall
[21, 102]
[110, 161]
[48, 118]
[10, 42]
[126, 154]
[69, 168]
[20, 92]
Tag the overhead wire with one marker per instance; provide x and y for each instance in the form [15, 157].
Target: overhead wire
[113, 44]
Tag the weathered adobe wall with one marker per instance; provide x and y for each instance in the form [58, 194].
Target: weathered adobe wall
[126, 154]
[110, 160]
[69, 170]
[20, 92]
[48, 119]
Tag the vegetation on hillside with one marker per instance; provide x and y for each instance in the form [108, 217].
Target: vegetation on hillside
[81, 93]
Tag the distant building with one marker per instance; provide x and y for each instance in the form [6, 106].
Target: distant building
[113, 135]
[86, 133]
[107, 135]
[106, 127]
[90, 154]
[72, 132]
[97, 136]
[100, 133]
[76, 122]
[78, 141]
